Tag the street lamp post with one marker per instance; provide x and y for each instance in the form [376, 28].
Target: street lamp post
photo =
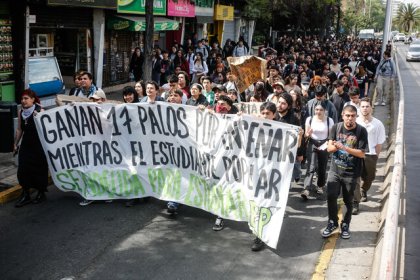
[338, 17]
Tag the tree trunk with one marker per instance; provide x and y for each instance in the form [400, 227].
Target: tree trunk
[148, 41]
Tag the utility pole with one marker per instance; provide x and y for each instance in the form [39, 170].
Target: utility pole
[338, 17]
[388, 17]
[148, 41]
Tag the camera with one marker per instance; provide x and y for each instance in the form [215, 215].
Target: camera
[383, 69]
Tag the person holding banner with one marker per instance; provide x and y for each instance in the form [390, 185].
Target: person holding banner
[87, 86]
[286, 114]
[33, 167]
[268, 111]
[224, 106]
[196, 97]
[152, 88]
[175, 97]
[130, 95]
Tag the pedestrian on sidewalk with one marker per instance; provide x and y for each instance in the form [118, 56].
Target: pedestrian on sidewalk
[384, 77]
[136, 64]
[317, 130]
[33, 167]
[376, 137]
[348, 142]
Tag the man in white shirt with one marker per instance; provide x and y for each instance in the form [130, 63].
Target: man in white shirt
[376, 137]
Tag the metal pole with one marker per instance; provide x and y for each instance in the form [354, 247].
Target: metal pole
[27, 28]
[388, 17]
[338, 18]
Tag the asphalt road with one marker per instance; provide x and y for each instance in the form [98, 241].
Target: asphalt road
[410, 73]
[59, 239]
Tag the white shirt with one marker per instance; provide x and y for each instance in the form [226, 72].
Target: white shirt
[319, 128]
[376, 133]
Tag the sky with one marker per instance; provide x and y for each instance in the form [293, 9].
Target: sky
[417, 2]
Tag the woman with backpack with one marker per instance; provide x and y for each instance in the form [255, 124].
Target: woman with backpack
[317, 130]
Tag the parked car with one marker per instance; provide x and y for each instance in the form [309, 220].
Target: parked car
[413, 53]
[400, 37]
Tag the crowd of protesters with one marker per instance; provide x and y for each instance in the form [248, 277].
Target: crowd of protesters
[316, 84]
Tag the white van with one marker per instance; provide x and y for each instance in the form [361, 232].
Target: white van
[367, 34]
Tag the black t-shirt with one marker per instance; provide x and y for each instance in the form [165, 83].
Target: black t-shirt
[342, 162]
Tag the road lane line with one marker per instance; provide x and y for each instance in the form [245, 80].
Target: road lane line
[327, 250]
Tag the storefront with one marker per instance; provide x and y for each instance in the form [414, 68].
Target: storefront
[125, 33]
[63, 32]
[7, 83]
[224, 25]
[182, 10]
[204, 11]
[64, 29]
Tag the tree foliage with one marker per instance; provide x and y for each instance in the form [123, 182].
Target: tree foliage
[313, 16]
[408, 17]
[364, 14]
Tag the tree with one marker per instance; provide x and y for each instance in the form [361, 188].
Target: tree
[148, 41]
[364, 14]
[408, 17]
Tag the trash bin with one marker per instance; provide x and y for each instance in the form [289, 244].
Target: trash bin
[8, 111]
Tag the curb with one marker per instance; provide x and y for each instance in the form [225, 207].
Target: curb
[10, 194]
[14, 192]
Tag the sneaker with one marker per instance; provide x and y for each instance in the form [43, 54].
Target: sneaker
[85, 202]
[345, 232]
[172, 207]
[364, 196]
[257, 245]
[304, 194]
[376, 103]
[330, 229]
[219, 224]
[319, 190]
[355, 210]
[383, 104]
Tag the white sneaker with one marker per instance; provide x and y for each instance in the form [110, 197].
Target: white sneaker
[383, 104]
[376, 103]
[85, 202]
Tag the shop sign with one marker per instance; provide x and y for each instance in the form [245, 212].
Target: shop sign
[223, 12]
[181, 8]
[138, 7]
[139, 24]
[106, 4]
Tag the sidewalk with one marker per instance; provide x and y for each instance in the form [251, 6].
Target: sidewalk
[354, 258]
[9, 188]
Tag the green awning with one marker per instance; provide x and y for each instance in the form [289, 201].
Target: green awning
[133, 23]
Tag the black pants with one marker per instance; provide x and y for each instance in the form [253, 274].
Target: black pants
[336, 184]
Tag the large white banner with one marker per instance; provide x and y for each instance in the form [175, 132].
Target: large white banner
[237, 167]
